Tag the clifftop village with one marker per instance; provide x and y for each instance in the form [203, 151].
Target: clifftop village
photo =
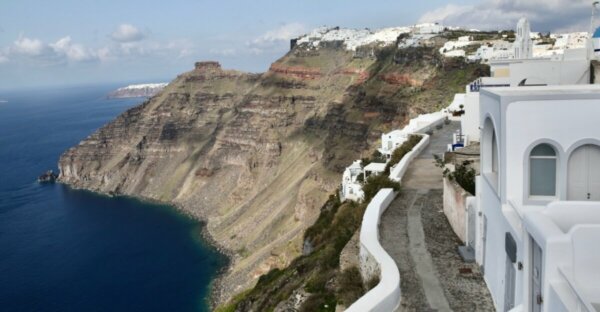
[520, 152]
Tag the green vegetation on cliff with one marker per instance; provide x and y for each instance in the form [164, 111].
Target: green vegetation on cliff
[317, 272]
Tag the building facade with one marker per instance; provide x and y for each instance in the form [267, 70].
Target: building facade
[538, 197]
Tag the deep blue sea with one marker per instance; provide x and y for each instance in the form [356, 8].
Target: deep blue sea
[70, 250]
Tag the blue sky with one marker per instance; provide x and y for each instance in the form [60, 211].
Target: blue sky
[69, 42]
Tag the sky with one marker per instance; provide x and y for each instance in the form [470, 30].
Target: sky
[69, 42]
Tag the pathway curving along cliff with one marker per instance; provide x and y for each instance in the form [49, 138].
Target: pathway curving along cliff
[416, 233]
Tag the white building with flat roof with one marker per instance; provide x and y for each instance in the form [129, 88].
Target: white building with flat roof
[568, 66]
[391, 140]
[351, 188]
[428, 28]
[538, 197]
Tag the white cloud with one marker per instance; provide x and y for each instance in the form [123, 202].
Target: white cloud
[27, 46]
[275, 40]
[444, 13]
[282, 33]
[104, 54]
[177, 48]
[127, 33]
[544, 15]
[183, 47]
[223, 52]
[35, 51]
[73, 52]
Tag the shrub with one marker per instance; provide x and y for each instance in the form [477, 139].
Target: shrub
[463, 173]
[328, 212]
[319, 303]
[378, 157]
[316, 284]
[349, 286]
[402, 150]
[270, 276]
[375, 183]
[360, 178]
[231, 306]
[365, 161]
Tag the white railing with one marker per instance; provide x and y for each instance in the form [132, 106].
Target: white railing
[386, 295]
[578, 302]
[398, 170]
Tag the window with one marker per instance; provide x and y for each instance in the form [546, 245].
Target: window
[542, 171]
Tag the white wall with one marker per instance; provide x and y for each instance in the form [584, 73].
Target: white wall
[562, 123]
[493, 254]
[455, 208]
[525, 117]
[570, 268]
[546, 71]
[398, 171]
[469, 122]
[374, 259]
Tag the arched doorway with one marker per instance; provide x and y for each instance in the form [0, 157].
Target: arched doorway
[584, 173]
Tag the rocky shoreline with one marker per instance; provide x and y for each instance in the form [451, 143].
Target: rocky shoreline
[216, 288]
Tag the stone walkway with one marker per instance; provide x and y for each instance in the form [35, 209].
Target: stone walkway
[415, 232]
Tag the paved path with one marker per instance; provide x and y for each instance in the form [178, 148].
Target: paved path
[415, 232]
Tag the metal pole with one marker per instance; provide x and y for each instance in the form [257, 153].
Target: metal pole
[593, 17]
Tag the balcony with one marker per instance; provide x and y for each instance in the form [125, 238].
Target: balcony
[568, 233]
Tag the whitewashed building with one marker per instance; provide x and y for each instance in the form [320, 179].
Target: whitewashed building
[351, 188]
[572, 67]
[537, 228]
[428, 28]
[390, 141]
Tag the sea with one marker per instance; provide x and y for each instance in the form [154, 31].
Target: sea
[72, 250]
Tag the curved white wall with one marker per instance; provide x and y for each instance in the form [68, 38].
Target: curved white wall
[386, 295]
[373, 258]
[398, 171]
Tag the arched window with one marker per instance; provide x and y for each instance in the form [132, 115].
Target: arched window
[490, 162]
[542, 171]
[494, 154]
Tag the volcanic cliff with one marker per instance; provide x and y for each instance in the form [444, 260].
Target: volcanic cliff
[256, 155]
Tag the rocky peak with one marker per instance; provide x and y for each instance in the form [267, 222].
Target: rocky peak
[207, 66]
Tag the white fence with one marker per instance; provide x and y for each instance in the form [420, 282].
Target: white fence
[374, 259]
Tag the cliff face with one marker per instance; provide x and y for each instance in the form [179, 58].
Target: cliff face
[256, 155]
